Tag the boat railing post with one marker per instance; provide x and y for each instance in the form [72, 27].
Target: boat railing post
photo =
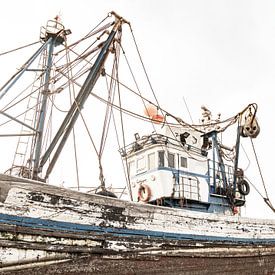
[216, 148]
[237, 148]
[214, 169]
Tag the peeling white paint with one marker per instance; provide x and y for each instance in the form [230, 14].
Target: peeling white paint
[56, 204]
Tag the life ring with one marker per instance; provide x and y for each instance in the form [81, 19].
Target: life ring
[144, 193]
[243, 187]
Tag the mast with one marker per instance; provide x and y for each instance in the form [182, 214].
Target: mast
[42, 113]
[71, 117]
[54, 35]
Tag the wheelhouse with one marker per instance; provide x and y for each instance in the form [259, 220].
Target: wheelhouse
[180, 167]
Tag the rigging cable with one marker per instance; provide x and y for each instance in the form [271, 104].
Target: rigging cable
[109, 107]
[90, 33]
[180, 121]
[84, 53]
[122, 126]
[107, 119]
[8, 106]
[139, 92]
[72, 95]
[142, 63]
[246, 158]
[156, 105]
[187, 109]
[19, 48]
[126, 174]
[80, 72]
[266, 198]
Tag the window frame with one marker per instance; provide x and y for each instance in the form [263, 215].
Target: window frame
[173, 160]
[153, 166]
[185, 162]
[161, 159]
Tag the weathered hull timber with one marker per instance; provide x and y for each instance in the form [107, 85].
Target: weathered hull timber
[125, 264]
[43, 222]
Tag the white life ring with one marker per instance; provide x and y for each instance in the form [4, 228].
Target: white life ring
[144, 193]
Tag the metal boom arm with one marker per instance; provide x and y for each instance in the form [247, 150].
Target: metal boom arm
[71, 117]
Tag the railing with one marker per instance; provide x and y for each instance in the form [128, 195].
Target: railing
[53, 27]
[156, 139]
[217, 184]
[188, 188]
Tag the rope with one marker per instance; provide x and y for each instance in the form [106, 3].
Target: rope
[259, 168]
[143, 66]
[256, 189]
[107, 118]
[90, 33]
[246, 158]
[266, 199]
[19, 48]
[123, 131]
[72, 95]
[181, 122]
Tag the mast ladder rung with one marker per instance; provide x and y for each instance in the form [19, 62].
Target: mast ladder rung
[23, 142]
[26, 131]
[28, 119]
[20, 154]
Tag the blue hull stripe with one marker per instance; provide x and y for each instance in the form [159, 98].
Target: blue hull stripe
[122, 232]
[174, 171]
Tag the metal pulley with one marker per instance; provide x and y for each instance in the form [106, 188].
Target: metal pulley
[250, 127]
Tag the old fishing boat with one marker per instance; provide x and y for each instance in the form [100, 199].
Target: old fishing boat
[185, 187]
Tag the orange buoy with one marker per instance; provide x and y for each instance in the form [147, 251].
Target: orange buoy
[152, 112]
[157, 118]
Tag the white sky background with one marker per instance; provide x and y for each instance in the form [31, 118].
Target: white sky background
[214, 53]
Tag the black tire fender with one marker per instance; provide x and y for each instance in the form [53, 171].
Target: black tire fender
[243, 187]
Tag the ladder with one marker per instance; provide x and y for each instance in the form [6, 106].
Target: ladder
[22, 161]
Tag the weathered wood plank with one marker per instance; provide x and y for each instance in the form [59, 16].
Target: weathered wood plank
[37, 217]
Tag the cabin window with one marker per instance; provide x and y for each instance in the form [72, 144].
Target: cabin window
[171, 160]
[161, 159]
[131, 166]
[151, 161]
[140, 164]
[183, 162]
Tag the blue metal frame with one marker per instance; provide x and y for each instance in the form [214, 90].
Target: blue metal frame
[220, 160]
[41, 120]
[237, 146]
[26, 66]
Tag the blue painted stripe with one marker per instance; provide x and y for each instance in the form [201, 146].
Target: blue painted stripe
[120, 232]
[175, 171]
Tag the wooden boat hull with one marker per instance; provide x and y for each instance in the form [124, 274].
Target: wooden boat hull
[39, 222]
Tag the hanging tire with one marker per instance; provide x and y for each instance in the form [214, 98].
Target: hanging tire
[243, 187]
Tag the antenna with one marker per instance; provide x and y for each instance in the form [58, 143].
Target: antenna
[188, 110]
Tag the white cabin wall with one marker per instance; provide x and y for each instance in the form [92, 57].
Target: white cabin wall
[160, 182]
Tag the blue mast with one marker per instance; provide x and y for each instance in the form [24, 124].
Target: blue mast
[71, 117]
[55, 34]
